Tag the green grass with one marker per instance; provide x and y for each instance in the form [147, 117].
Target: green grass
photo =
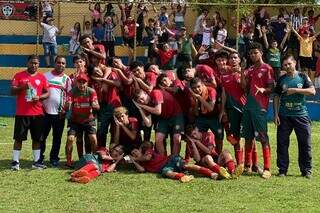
[126, 191]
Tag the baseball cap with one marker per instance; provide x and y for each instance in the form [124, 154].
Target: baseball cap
[82, 76]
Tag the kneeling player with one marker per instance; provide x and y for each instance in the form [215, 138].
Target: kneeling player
[91, 166]
[202, 146]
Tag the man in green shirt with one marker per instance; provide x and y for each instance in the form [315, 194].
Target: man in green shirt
[290, 113]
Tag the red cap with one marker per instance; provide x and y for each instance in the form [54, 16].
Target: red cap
[82, 76]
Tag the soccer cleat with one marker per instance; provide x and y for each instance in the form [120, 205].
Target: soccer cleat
[79, 173]
[238, 171]
[38, 165]
[15, 166]
[214, 176]
[186, 178]
[231, 139]
[224, 173]
[247, 170]
[307, 175]
[54, 163]
[266, 174]
[281, 175]
[257, 169]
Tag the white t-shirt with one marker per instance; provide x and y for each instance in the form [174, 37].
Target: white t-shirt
[49, 33]
[197, 25]
[207, 34]
[59, 86]
[221, 35]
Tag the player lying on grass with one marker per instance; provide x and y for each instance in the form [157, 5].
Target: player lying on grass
[146, 159]
[91, 166]
[202, 148]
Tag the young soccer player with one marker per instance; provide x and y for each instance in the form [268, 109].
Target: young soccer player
[146, 159]
[81, 101]
[91, 166]
[258, 82]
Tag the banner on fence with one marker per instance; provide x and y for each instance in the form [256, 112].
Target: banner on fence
[13, 10]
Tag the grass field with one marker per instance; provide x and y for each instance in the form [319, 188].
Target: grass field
[126, 191]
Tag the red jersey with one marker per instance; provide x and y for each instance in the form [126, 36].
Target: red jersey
[151, 78]
[231, 84]
[205, 73]
[156, 163]
[210, 96]
[183, 96]
[169, 106]
[207, 139]
[38, 83]
[128, 89]
[166, 56]
[110, 93]
[260, 77]
[124, 139]
[131, 28]
[81, 108]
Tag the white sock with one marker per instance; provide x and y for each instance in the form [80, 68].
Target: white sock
[36, 154]
[16, 155]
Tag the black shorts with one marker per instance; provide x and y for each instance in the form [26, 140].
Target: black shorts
[23, 123]
[89, 127]
[306, 62]
[129, 42]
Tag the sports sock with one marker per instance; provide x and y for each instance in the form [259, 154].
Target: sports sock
[36, 155]
[204, 171]
[178, 176]
[239, 156]
[248, 155]
[266, 157]
[93, 174]
[255, 158]
[215, 168]
[16, 155]
[230, 166]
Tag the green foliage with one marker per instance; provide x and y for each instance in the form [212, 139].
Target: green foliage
[127, 191]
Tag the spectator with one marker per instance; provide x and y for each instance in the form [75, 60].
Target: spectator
[178, 14]
[49, 40]
[109, 39]
[31, 88]
[221, 32]
[75, 33]
[142, 12]
[98, 32]
[207, 30]
[87, 29]
[96, 13]
[47, 9]
[198, 30]
[186, 48]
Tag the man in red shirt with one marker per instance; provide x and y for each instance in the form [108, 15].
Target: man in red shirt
[258, 82]
[30, 87]
[142, 79]
[170, 121]
[81, 101]
[91, 49]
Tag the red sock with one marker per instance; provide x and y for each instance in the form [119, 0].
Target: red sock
[215, 168]
[93, 174]
[206, 172]
[230, 166]
[239, 156]
[89, 167]
[69, 159]
[178, 176]
[248, 155]
[255, 158]
[266, 157]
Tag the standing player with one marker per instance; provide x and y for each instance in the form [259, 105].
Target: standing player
[59, 86]
[259, 84]
[291, 114]
[31, 88]
[81, 101]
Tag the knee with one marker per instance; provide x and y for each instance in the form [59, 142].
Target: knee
[71, 139]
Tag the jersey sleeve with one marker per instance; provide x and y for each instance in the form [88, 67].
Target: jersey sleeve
[157, 96]
[151, 79]
[278, 89]
[15, 81]
[307, 83]
[212, 94]
[93, 96]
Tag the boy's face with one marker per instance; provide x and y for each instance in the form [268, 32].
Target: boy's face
[82, 84]
[221, 63]
[117, 63]
[190, 73]
[166, 82]
[234, 60]
[274, 44]
[289, 65]
[87, 43]
[139, 72]
[136, 153]
[60, 65]
[143, 98]
[80, 64]
[123, 118]
[154, 68]
[33, 65]
[116, 152]
[197, 88]
[196, 134]
[255, 55]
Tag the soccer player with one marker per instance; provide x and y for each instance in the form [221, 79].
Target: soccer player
[59, 87]
[125, 130]
[258, 82]
[173, 167]
[233, 101]
[290, 113]
[31, 88]
[91, 166]
[170, 118]
[81, 102]
[91, 49]
[202, 71]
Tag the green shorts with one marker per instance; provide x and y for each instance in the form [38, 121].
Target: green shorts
[212, 123]
[175, 164]
[254, 125]
[174, 125]
[234, 118]
[86, 159]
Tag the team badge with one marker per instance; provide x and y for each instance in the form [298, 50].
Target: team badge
[259, 75]
[7, 10]
[37, 82]
[299, 85]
